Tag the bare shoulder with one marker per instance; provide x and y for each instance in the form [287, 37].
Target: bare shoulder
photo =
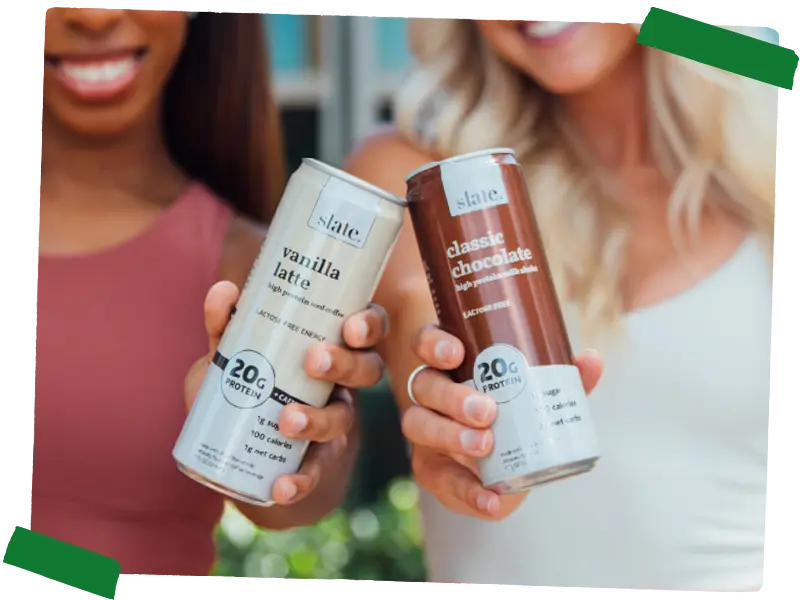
[241, 249]
[385, 158]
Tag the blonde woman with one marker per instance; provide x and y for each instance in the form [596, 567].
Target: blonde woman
[652, 178]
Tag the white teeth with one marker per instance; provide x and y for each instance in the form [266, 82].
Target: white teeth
[99, 73]
[546, 29]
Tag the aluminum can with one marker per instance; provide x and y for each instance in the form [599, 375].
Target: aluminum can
[493, 290]
[320, 263]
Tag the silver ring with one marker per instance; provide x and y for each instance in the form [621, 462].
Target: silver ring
[411, 378]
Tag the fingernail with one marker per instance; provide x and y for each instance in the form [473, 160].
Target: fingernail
[478, 408]
[493, 505]
[289, 491]
[296, 422]
[324, 362]
[362, 331]
[474, 440]
[483, 502]
[443, 351]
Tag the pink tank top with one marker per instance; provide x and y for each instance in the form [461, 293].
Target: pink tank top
[116, 334]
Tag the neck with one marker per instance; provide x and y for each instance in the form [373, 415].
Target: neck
[136, 162]
[611, 116]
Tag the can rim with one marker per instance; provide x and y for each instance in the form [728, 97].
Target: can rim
[458, 158]
[353, 180]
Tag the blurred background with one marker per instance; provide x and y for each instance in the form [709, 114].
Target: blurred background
[334, 78]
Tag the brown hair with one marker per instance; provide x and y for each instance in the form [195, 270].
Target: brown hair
[220, 119]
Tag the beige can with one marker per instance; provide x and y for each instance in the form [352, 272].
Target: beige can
[321, 261]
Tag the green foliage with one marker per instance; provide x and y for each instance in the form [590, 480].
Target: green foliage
[380, 541]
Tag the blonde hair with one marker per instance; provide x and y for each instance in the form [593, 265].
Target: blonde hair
[713, 135]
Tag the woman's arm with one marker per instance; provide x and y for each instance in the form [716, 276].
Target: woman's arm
[385, 160]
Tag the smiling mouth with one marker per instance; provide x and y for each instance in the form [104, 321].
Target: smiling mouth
[97, 77]
[544, 32]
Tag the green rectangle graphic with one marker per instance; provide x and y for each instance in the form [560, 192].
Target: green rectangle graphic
[718, 47]
[63, 562]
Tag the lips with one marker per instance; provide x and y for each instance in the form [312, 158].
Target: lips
[97, 77]
[547, 32]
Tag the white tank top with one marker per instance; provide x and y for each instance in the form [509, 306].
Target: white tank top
[678, 499]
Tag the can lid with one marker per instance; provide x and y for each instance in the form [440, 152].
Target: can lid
[459, 158]
[352, 180]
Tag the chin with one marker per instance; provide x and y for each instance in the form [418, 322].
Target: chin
[96, 119]
[101, 129]
[96, 123]
[567, 83]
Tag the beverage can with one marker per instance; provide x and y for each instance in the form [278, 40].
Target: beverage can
[493, 290]
[320, 263]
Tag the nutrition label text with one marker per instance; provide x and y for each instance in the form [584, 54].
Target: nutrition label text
[265, 445]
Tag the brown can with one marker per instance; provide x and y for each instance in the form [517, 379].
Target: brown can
[492, 288]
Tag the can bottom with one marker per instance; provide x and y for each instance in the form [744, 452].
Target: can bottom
[217, 487]
[522, 483]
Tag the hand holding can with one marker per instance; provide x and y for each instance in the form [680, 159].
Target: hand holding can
[330, 427]
[449, 426]
[492, 289]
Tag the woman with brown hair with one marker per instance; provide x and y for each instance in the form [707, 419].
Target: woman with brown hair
[161, 163]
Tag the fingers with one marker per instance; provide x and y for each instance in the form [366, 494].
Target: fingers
[455, 485]
[220, 302]
[328, 427]
[367, 328]
[318, 424]
[442, 351]
[426, 428]
[459, 488]
[351, 367]
[438, 349]
[290, 489]
[435, 391]
[347, 368]
[590, 365]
